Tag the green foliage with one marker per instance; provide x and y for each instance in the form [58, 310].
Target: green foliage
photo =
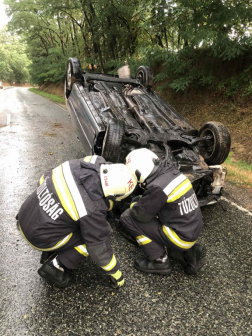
[188, 41]
[13, 59]
[227, 49]
[54, 67]
[241, 82]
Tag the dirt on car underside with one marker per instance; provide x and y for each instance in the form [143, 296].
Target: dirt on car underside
[112, 100]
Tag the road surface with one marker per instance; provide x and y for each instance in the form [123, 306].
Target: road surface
[217, 301]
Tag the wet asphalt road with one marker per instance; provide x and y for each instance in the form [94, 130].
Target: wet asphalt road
[217, 301]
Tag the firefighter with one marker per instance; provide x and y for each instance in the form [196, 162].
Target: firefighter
[65, 217]
[166, 218]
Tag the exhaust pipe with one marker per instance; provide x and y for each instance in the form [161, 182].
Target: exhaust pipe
[135, 111]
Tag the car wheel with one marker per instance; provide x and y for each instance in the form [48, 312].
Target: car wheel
[218, 147]
[73, 73]
[145, 76]
[113, 140]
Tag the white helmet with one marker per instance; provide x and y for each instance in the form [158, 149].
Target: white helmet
[117, 180]
[141, 163]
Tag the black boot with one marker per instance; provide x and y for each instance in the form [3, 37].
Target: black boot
[176, 254]
[53, 271]
[45, 256]
[194, 259]
[160, 265]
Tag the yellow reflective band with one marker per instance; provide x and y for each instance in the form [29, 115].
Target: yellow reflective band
[41, 179]
[64, 193]
[121, 283]
[181, 190]
[59, 244]
[132, 204]
[82, 249]
[87, 158]
[110, 265]
[111, 204]
[117, 275]
[176, 240]
[142, 240]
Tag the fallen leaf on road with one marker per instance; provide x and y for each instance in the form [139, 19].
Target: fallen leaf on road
[25, 316]
[57, 125]
[50, 134]
[50, 153]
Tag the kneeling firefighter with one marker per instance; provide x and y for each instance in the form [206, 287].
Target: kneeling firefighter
[167, 216]
[65, 217]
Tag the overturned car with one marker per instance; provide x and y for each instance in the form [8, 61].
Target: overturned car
[115, 114]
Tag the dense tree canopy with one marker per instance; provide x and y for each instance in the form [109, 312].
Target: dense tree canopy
[179, 34]
[13, 59]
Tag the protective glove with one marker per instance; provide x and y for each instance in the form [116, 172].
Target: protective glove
[117, 279]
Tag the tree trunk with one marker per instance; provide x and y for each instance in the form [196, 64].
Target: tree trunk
[62, 45]
[166, 40]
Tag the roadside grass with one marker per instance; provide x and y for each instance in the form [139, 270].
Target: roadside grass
[238, 171]
[52, 97]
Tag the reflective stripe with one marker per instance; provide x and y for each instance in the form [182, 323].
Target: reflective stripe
[59, 244]
[132, 204]
[117, 275]
[174, 184]
[121, 283]
[64, 193]
[111, 204]
[181, 190]
[82, 250]
[142, 240]
[176, 240]
[94, 157]
[87, 158]
[74, 190]
[110, 265]
[63, 241]
[41, 179]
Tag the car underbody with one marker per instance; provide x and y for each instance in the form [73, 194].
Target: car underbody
[115, 115]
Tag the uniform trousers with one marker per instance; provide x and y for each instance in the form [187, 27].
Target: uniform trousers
[150, 236]
[69, 254]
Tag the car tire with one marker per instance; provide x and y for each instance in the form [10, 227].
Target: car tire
[73, 73]
[218, 150]
[145, 76]
[113, 140]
